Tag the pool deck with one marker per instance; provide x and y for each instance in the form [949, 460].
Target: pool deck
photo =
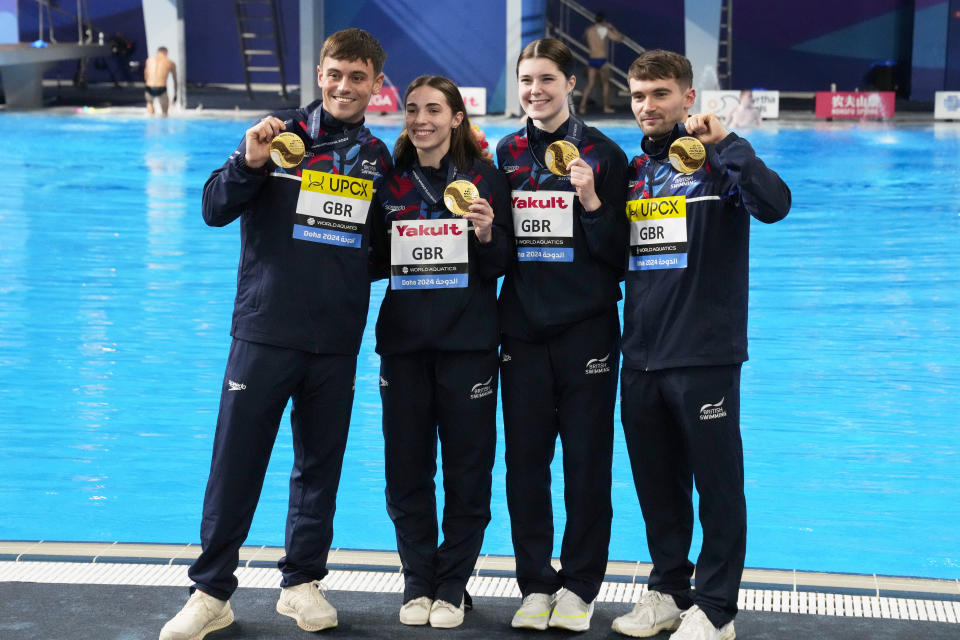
[115, 590]
[232, 102]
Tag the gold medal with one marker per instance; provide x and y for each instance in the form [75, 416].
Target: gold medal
[687, 154]
[559, 154]
[287, 150]
[458, 195]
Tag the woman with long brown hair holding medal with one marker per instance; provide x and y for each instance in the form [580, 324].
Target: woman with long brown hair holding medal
[560, 338]
[442, 231]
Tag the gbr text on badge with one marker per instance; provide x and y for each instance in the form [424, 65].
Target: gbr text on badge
[332, 208]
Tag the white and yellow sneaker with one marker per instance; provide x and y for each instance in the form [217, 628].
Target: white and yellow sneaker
[534, 612]
[570, 612]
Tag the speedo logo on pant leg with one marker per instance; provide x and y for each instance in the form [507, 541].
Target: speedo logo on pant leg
[235, 386]
[713, 411]
[482, 389]
[505, 357]
[598, 365]
[383, 382]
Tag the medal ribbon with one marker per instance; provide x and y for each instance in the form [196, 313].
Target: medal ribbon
[329, 141]
[426, 189]
[574, 136]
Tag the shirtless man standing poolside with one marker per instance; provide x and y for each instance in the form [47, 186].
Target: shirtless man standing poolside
[155, 73]
[596, 36]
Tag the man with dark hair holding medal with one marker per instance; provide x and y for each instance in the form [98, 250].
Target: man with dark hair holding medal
[301, 183]
[690, 197]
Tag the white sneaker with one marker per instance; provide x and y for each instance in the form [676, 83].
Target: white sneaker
[444, 615]
[201, 615]
[534, 613]
[417, 611]
[696, 625]
[655, 612]
[306, 604]
[570, 612]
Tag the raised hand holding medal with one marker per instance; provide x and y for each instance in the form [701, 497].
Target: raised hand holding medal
[462, 198]
[258, 138]
[559, 155]
[690, 154]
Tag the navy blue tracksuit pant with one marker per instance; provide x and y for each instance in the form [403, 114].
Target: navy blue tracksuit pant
[682, 426]
[566, 386]
[258, 382]
[453, 395]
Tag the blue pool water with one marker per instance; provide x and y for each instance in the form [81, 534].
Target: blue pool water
[115, 302]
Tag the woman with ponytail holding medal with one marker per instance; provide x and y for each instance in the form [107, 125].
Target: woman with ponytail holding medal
[442, 232]
[560, 334]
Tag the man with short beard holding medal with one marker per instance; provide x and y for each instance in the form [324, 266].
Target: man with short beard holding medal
[691, 195]
[301, 183]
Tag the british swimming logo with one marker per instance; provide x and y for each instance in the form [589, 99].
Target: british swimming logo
[713, 411]
[598, 365]
[235, 386]
[369, 167]
[482, 389]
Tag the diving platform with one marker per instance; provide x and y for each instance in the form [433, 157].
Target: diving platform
[22, 67]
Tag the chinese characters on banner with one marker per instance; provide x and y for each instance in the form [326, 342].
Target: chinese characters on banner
[855, 104]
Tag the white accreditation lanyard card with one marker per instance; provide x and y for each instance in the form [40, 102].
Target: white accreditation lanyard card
[428, 254]
[543, 225]
[658, 233]
[332, 209]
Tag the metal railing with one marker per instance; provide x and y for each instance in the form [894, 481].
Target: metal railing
[85, 28]
[565, 14]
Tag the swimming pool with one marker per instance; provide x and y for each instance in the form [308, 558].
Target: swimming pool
[115, 304]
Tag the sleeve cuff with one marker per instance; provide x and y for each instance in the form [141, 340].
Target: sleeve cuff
[241, 163]
[726, 142]
[596, 213]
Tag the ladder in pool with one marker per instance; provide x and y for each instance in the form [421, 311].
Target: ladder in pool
[259, 33]
[725, 46]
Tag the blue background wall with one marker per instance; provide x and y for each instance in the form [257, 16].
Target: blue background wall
[464, 41]
[789, 45]
[807, 45]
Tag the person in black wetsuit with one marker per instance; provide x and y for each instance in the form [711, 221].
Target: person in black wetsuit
[437, 335]
[684, 341]
[303, 289]
[560, 333]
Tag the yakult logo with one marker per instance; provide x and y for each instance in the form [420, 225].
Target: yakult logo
[598, 365]
[530, 202]
[482, 389]
[713, 411]
[416, 230]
